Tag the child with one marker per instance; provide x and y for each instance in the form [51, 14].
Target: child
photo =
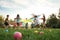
[36, 21]
[26, 25]
[7, 21]
[32, 25]
[17, 20]
[44, 21]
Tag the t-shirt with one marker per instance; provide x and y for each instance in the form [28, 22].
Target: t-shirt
[17, 20]
[36, 21]
[6, 20]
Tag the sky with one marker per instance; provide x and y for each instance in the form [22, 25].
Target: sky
[26, 7]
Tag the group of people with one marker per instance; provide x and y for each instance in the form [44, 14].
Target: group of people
[17, 19]
[35, 22]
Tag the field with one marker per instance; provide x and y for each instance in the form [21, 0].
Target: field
[31, 34]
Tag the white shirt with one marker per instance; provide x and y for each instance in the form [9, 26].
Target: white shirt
[36, 21]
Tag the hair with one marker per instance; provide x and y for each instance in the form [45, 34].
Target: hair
[26, 18]
[35, 16]
[18, 15]
[7, 15]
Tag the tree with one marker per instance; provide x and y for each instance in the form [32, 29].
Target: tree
[58, 22]
[1, 21]
[52, 21]
[11, 20]
[59, 14]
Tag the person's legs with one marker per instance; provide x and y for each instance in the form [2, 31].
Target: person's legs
[6, 25]
[44, 26]
[18, 25]
[26, 26]
[38, 25]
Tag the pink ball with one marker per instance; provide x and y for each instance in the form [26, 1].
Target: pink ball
[17, 35]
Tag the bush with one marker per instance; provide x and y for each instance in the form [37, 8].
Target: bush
[58, 23]
[52, 21]
[1, 25]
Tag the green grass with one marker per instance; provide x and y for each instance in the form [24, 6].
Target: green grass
[30, 34]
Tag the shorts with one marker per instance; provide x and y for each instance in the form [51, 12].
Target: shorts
[18, 24]
[6, 23]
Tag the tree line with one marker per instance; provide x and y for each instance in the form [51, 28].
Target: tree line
[53, 21]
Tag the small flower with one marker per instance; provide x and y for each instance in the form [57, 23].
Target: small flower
[36, 31]
[50, 30]
[41, 33]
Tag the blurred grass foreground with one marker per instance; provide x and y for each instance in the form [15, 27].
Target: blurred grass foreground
[31, 34]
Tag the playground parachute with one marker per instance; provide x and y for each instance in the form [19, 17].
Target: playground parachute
[24, 21]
